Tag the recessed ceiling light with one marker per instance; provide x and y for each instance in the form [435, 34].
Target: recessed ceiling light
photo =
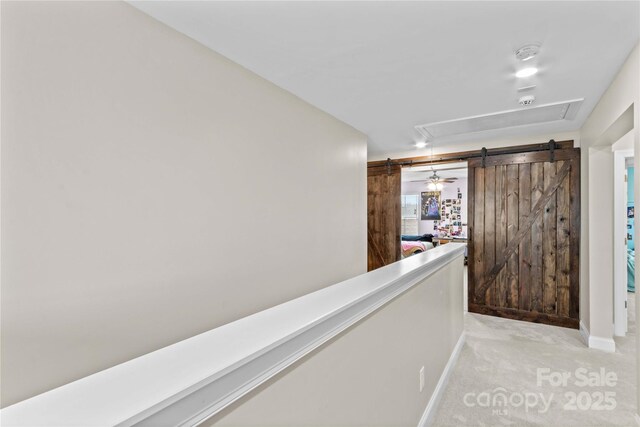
[526, 72]
[421, 144]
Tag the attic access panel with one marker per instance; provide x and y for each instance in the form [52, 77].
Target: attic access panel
[565, 110]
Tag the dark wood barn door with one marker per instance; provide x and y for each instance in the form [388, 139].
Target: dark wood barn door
[383, 215]
[524, 226]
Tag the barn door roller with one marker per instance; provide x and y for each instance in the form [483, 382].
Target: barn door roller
[483, 155]
[552, 147]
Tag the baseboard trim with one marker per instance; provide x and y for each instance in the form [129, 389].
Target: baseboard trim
[604, 344]
[430, 410]
[598, 343]
[584, 333]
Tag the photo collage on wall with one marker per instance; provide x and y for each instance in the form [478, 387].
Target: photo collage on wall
[450, 222]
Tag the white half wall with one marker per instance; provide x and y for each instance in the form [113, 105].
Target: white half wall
[153, 190]
[600, 213]
[369, 375]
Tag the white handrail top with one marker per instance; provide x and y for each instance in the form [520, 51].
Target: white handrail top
[122, 393]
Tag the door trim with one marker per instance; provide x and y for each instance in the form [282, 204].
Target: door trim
[620, 312]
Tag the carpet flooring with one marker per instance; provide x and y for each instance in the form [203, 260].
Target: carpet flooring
[513, 373]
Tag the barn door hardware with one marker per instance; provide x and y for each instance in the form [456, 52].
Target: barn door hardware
[483, 154]
[388, 166]
[552, 147]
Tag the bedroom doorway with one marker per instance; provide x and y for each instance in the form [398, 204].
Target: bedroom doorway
[433, 205]
[624, 230]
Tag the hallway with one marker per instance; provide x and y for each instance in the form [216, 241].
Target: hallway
[508, 354]
[259, 213]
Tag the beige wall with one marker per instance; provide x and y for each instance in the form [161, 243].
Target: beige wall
[152, 190]
[369, 375]
[596, 270]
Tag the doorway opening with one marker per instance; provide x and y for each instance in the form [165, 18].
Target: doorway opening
[433, 205]
[624, 229]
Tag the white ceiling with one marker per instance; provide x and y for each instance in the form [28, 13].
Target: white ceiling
[385, 67]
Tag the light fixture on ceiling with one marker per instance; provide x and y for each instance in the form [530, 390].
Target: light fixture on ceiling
[421, 144]
[526, 72]
[527, 52]
[434, 182]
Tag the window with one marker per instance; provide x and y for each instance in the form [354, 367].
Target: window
[410, 208]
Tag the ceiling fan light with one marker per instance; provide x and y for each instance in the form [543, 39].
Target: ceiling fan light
[526, 72]
[432, 186]
[439, 186]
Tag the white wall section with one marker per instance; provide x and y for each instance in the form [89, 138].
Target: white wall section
[597, 184]
[126, 226]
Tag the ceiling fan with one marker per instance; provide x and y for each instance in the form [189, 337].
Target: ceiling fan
[435, 182]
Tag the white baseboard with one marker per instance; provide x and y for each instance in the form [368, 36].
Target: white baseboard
[598, 343]
[584, 332]
[430, 410]
[604, 344]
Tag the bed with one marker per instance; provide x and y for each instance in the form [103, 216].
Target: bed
[415, 247]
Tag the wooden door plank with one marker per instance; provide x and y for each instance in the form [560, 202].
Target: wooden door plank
[375, 258]
[395, 191]
[531, 157]
[524, 209]
[537, 188]
[528, 236]
[563, 246]
[512, 231]
[374, 255]
[549, 241]
[513, 244]
[501, 233]
[471, 175]
[478, 233]
[383, 218]
[489, 228]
